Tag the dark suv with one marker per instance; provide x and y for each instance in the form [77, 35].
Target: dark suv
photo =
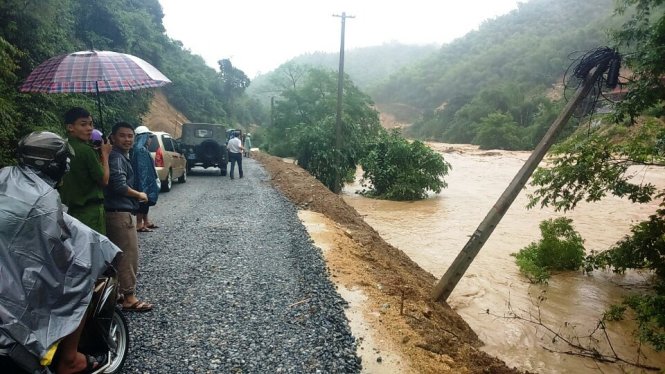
[204, 144]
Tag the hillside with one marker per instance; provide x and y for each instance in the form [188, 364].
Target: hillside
[496, 79]
[162, 116]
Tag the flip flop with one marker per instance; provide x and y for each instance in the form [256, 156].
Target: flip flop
[144, 229]
[139, 306]
[152, 226]
[92, 363]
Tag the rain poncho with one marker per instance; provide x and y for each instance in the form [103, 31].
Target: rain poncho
[248, 144]
[49, 262]
[145, 175]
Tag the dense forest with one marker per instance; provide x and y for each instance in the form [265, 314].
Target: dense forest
[33, 31]
[494, 86]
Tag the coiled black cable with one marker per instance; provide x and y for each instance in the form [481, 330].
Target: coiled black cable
[607, 60]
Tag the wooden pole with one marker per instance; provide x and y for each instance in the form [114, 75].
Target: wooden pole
[449, 280]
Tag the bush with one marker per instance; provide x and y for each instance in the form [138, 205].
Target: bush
[399, 170]
[561, 248]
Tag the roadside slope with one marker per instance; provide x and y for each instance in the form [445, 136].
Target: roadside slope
[432, 336]
[162, 116]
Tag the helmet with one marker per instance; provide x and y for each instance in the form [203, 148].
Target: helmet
[46, 152]
[141, 130]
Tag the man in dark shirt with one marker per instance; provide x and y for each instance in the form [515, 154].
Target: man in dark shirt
[81, 188]
[121, 201]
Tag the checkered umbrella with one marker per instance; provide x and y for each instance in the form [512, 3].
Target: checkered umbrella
[93, 71]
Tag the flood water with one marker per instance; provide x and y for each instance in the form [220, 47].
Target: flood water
[433, 231]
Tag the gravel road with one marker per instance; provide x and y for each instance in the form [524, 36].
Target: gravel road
[237, 285]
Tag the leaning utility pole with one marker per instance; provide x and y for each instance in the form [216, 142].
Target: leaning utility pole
[340, 91]
[461, 263]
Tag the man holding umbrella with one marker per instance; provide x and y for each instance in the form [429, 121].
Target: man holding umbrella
[82, 188]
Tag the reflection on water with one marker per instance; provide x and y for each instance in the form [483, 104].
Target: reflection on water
[432, 232]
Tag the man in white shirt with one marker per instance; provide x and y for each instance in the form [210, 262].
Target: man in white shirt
[235, 153]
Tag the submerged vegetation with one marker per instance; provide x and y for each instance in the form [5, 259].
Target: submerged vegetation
[560, 248]
[397, 169]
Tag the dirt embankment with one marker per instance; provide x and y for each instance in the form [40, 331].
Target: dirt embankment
[163, 117]
[430, 335]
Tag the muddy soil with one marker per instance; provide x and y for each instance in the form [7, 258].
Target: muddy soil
[429, 335]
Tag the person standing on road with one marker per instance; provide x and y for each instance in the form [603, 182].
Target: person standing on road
[121, 201]
[235, 153]
[82, 187]
[145, 176]
[248, 144]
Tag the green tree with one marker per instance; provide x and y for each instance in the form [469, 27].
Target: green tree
[397, 169]
[233, 84]
[589, 166]
[498, 131]
[642, 41]
[304, 125]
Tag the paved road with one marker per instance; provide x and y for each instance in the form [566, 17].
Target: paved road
[238, 286]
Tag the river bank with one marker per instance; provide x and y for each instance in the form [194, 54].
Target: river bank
[432, 232]
[429, 336]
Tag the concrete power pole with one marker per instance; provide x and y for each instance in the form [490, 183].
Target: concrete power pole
[449, 280]
[340, 91]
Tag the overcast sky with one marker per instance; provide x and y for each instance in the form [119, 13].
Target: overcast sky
[259, 35]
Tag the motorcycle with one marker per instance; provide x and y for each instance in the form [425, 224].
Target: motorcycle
[105, 335]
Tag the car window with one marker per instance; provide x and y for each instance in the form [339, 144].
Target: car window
[168, 144]
[203, 133]
[154, 144]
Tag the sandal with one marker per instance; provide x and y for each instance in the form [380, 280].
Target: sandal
[144, 229]
[152, 226]
[139, 306]
[92, 363]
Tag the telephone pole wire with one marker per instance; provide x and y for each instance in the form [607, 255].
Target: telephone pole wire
[340, 91]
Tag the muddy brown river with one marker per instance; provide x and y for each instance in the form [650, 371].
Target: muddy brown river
[433, 231]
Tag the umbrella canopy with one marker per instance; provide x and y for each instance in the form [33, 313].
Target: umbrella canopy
[93, 71]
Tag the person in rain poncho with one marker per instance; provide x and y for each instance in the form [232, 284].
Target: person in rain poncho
[145, 177]
[49, 261]
[248, 144]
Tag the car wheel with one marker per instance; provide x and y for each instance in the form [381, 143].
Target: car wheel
[168, 183]
[183, 177]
